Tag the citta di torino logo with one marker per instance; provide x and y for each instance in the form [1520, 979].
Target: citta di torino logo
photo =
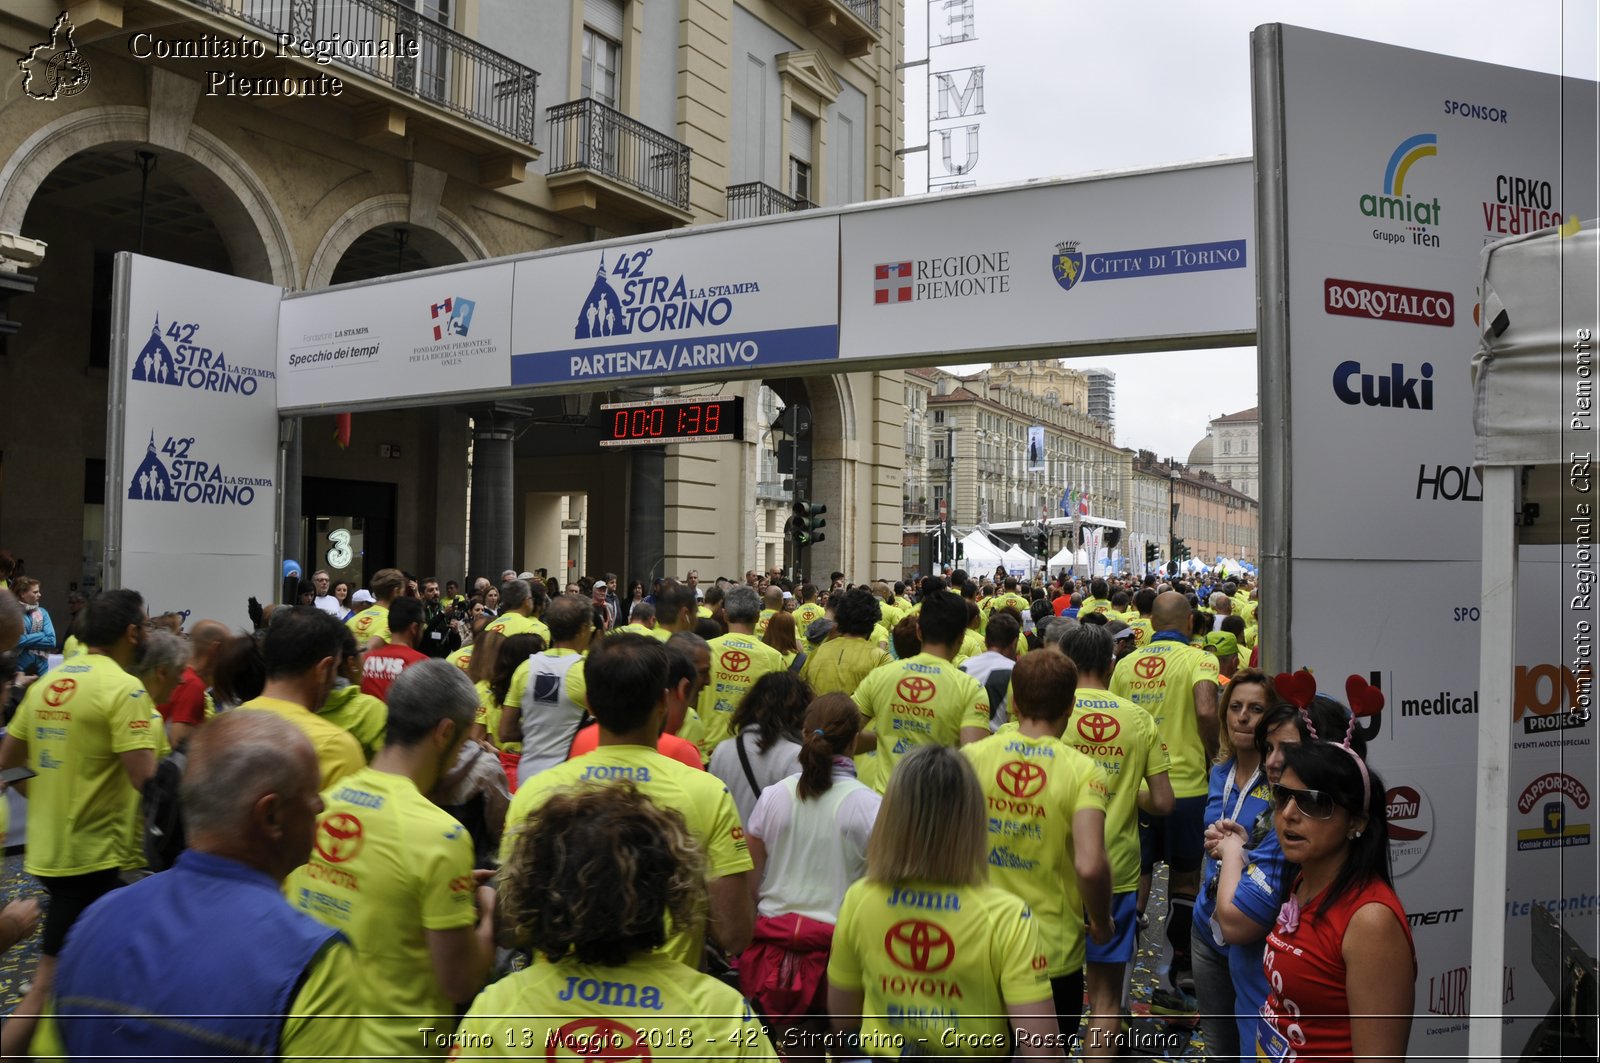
[184, 477]
[188, 363]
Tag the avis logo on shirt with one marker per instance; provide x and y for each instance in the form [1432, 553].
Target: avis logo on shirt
[183, 477]
[187, 363]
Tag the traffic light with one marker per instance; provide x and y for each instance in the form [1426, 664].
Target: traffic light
[1041, 543]
[1180, 550]
[805, 527]
[1152, 552]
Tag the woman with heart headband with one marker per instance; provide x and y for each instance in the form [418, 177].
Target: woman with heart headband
[1252, 875]
[1336, 963]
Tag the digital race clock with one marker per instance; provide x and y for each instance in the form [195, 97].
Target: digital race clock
[679, 420]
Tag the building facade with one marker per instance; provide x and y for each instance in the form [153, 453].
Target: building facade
[486, 128]
[1231, 451]
[1213, 519]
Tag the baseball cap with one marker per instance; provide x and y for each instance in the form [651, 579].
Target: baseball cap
[363, 597]
[1119, 629]
[788, 597]
[1222, 643]
[526, 575]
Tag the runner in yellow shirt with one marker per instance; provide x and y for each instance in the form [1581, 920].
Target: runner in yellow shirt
[840, 662]
[1177, 684]
[521, 604]
[371, 625]
[933, 958]
[393, 871]
[627, 680]
[86, 729]
[925, 700]
[1046, 804]
[303, 648]
[1122, 738]
[808, 611]
[738, 659]
[603, 986]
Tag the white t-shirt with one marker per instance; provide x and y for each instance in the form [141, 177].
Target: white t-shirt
[781, 759]
[328, 604]
[815, 849]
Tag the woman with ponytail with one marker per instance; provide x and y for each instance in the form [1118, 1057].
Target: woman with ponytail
[808, 839]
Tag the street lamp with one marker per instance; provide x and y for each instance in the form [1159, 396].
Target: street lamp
[1172, 523]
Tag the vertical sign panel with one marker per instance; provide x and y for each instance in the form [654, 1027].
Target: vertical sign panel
[192, 498]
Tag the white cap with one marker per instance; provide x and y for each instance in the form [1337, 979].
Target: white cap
[526, 575]
[363, 597]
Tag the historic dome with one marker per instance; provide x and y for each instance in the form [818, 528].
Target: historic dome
[1201, 455]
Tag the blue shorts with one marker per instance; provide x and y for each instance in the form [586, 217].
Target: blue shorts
[1124, 934]
[1178, 839]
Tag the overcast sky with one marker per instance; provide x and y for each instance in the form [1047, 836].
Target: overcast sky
[1072, 86]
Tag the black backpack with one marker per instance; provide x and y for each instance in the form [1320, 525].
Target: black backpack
[163, 811]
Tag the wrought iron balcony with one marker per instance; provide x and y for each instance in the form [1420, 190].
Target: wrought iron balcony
[850, 25]
[589, 139]
[915, 509]
[449, 70]
[757, 199]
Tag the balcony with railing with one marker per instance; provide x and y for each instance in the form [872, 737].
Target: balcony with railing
[403, 76]
[849, 25]
[603, 162]
[757, 199]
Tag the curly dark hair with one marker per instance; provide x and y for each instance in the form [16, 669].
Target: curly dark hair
[858, 613]
[775, 703]
[514, 651]
[597, 872]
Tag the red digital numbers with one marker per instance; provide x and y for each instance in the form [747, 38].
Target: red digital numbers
[691, 420]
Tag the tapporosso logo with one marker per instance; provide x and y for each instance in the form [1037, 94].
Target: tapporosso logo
[189, 363]
[1549, 793]
[640, 317]
[1408, 218]
[178, 473]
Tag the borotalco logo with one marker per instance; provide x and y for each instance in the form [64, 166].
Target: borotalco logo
[596, 1039]
[59, 692]
[185, 477]
[188, 363]
[921, 946]
[916, 689]
[1549, 793]
[1020, 778]
[1410, 816]
[735, 661]
[1404, 219]
[1388, 302]
[1397, 389]
[1098, 726]
[339, 838]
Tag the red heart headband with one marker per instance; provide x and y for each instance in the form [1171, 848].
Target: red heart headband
[1300, 688]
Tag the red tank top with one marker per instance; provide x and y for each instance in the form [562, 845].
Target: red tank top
[1307, 1013]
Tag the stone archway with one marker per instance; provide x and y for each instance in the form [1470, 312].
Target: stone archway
[445, 241]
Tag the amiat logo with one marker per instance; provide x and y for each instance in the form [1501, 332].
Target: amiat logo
[1397, 205]
[187, 363]
[453, 317]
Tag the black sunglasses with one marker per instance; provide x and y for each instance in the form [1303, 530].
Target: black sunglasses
[1313, 803]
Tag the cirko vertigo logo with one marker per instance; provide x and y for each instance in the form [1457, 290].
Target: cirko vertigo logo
[188, 363]
[176, 472]
[1388, 302]
[1404, 219]
[1410, 817]
[55, 69]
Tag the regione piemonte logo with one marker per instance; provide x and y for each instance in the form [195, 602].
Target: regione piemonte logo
[452, 317]
[891, 283]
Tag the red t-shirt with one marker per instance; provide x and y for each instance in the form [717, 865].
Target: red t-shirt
[383, 665]
[1307, 1010]
[668, 745]
[188, 701]
[1062, 604]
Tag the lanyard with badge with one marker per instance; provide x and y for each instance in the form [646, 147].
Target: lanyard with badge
[1229, 814]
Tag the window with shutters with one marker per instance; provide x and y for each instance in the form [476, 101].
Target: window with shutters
[802, 133]
[601, 61]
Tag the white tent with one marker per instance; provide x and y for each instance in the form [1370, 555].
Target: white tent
[1018, 561]
[1064, 559]
[981, 553]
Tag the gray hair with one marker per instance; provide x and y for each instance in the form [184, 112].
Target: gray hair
[163, 650]
[687, 642]
[641, 612]
[513, 593]
[1055, 629]
[741, 604]
[1221, 603]
[234, 761]
[424, 694]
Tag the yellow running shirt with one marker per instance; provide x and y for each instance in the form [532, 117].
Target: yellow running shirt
[1160, 679]
[1122, 739]
[737, 661]
[364, 716]
[510, 624]
[1094, 605]
[371, 623]
[77, 720]
[652, 1007]
[462, 658]
[838, 665]
[387, 866]
[338, 752]
[1142, 630]
[705, 804]
[921, 701]
[806, 614]
[938, 966]
[1033, 787]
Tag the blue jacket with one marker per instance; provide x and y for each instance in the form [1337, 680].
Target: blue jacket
[202, 959]
[36, 646]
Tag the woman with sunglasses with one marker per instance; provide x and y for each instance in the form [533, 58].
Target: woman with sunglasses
[1340, 961]
[1252, 877]
[1239, 793]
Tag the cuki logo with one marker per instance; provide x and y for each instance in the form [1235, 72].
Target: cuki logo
[1410, 817]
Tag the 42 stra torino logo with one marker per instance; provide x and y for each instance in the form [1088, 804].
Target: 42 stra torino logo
[186, 362]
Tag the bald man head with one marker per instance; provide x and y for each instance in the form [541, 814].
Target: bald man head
[1170, 613]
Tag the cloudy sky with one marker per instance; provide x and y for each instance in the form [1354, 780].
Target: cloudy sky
[1072, 86]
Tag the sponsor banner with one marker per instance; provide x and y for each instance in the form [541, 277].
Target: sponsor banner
[195, 449]
[1394, 189]
[443, 334]
[704, 305]
[1016, 268]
